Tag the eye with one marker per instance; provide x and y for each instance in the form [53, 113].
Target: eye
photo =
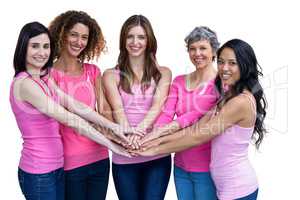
[85, 37]
[142, 37]
[130, 36]
[232, 63]
[35, 45]
[46, 46]
[202, 48]
[220, 62]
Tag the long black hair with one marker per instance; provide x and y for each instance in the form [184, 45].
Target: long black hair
[250, 70]
[29, 31]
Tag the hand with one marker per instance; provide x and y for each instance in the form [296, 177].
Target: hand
[115, 138]
[144, 152]
[119, 149]
[134, 141]
[150, 136]
[153, 143]
[122, 132]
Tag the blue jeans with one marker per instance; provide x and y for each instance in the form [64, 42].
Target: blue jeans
[194, 185]
[47, 186]
[142, 181]
[252, 196]
[88, 182]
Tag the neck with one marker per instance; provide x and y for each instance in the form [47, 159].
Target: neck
[34, 72]
[203, 74]
[137, 65]
[67, 63]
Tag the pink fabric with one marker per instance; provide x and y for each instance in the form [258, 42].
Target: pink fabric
[230, 168]
[42, 147]
[79, 150]
[189, 106]
[136, 106]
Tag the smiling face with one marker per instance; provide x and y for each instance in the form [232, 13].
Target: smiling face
[136, 41]
[76, 40]
[38, 51]
[201, 53]
[228, 68]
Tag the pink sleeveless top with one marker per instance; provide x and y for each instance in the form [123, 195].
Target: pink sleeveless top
[79, 150]
[230, 168]
[136, 106]
[42, 147]
[189, 106]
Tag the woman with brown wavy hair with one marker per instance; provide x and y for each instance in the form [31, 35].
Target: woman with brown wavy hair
[78, 39]
[136, 89]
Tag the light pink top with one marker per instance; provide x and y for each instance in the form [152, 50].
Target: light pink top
[230, 168]
[79, 150]
[136, 106]
[189, 106]
[42, 147]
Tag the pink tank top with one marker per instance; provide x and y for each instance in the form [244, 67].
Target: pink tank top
[79, 150]
[189, 106]
[136, 106]
[230, 168]
[42, 147]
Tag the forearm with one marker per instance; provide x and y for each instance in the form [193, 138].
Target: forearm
[91, 115]
[82, 127]
[168, 128]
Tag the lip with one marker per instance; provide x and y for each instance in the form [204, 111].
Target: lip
[39, 59]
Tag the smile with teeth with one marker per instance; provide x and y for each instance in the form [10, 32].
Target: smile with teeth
[75, 48]
[225, 76]
[39, 59]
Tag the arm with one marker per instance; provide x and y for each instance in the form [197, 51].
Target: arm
[159, 98]
[110, 84]
[206, 129]
[33, 94]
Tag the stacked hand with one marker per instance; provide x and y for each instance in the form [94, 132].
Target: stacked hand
[134, 141]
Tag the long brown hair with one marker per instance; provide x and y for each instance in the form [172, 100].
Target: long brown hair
[150, 68]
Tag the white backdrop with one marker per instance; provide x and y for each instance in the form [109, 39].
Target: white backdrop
[270, 28]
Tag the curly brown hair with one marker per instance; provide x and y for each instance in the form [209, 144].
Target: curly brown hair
[63, 23]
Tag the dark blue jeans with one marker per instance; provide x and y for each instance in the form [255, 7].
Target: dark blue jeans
[142, 181]
[88, 182]
[47, 186]
[252, 196]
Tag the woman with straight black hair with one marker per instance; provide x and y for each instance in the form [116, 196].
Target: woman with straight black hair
[237, 118]
[37, 113]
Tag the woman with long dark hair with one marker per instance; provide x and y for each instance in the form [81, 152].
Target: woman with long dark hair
[237, 118]
[136, 89]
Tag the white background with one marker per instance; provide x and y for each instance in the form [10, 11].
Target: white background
[270, 27]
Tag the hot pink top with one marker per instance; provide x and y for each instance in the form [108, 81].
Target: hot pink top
[79, 150]
[189, 106]
[136, 106]
[230, 168]
[42, 147]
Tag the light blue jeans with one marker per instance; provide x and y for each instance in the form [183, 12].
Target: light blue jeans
[194, 185]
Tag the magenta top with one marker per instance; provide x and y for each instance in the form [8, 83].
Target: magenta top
[136, 106]
[230, 168]
[189, 106]
[42, 147]
[79, 150]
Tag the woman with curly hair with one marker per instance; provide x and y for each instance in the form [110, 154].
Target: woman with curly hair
[78, 38]
[37, 110]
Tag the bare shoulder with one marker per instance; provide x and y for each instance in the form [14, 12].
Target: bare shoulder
[240, 103]
[165, 71]
[109, 73]
[23, 86]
